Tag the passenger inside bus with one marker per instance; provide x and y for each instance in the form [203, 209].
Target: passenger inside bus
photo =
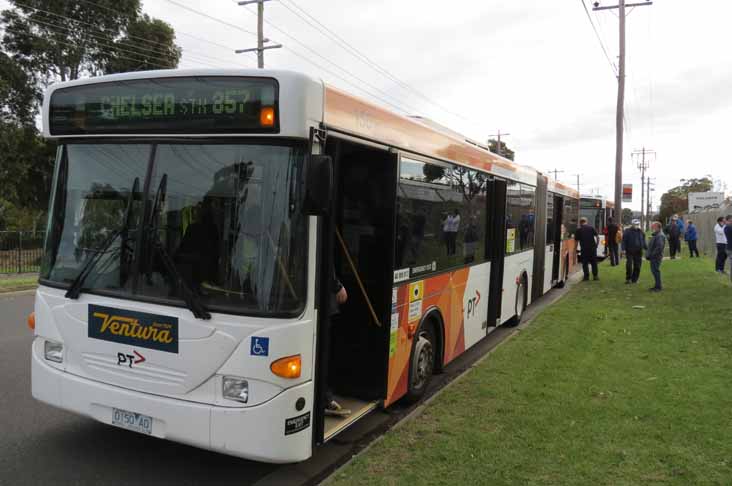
[197, 255]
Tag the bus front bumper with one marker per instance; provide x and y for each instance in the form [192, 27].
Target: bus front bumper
[256, 433]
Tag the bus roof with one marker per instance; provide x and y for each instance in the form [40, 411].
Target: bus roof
[352, 115]
[563, 189]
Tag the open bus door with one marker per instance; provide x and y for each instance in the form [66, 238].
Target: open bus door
[557, 221]
[356, 245]
[496, 246]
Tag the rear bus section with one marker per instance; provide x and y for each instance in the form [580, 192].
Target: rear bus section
[176, 287]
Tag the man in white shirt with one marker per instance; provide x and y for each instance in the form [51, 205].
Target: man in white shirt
[721, 240]
[451, 228]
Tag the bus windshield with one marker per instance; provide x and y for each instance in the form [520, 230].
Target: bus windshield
[223, 218]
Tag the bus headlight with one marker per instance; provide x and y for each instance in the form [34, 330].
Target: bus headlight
[53, 351]
[235, 388]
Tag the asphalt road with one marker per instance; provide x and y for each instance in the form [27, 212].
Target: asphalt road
[41, 445]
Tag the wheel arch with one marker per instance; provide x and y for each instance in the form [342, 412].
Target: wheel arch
[433, 317]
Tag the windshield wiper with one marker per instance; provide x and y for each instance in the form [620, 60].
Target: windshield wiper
[190, 297]
[76, 285]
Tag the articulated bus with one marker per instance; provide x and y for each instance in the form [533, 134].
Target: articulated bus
[200, 221]
[598, 210]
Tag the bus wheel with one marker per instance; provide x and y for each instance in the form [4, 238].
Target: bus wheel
[520, 303]
[422, 363]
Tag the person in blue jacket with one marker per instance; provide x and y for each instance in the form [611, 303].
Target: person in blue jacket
[690, 236]
[680, 223]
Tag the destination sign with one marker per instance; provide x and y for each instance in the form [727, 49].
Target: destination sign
[180, 105]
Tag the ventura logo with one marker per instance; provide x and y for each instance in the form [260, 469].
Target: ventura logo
[135, 328]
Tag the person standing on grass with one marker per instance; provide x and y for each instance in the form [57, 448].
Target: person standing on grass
[633, 244]
[655, 254]
[588, 240]
[691, 237]
[673, 232]
[728, 234]
[612, 242]
[721, 240]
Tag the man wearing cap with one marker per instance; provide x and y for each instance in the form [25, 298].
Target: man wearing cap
[633, 244]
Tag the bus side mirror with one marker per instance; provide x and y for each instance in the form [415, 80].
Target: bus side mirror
[318, 184]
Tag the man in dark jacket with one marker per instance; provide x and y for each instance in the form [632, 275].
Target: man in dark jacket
[633, 244]
[674, 233]
[612, 242]
[588, 240]
[655, 254]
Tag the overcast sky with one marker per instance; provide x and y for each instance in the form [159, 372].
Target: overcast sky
[532, 68]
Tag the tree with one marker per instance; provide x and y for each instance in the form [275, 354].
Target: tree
[162, 52]
[45, 41]
[505, 151]
[627, 216]
[676, 199]
[26, 168]
[19, 93]
[65, 40]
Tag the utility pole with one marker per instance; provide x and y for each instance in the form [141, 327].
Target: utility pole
[649, 207]
[578, 183]
[555, 172]
[498, 137]
[260, 34]
[643, 163]
[619, 112]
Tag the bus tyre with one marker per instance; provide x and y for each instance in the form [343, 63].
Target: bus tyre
[422, 363]
[521, 294]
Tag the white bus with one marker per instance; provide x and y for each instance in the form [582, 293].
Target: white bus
[199, 221]
[598, 210]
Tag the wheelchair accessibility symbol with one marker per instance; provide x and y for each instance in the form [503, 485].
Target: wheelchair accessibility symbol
[259, 346]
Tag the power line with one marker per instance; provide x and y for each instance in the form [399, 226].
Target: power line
[11, 29]
[107, 44]
[340, 68]
[140, 39]
[198, 12]
[346, 46]
[599, 39]
[302, 56]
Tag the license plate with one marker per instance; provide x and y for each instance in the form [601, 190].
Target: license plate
[132, 421]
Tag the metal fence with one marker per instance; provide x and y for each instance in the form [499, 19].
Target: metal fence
[21, 251]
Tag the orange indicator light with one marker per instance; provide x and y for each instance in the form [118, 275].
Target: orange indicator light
[32, 321]
[287, 367]
[267, 116]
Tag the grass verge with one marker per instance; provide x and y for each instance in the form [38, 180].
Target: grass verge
[12, 284]
[612, 385]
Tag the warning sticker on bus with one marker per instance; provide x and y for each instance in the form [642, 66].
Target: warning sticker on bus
[511, 240]
[416, 292]
[393, 333]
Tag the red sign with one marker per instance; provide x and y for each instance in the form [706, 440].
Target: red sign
[627, 192]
